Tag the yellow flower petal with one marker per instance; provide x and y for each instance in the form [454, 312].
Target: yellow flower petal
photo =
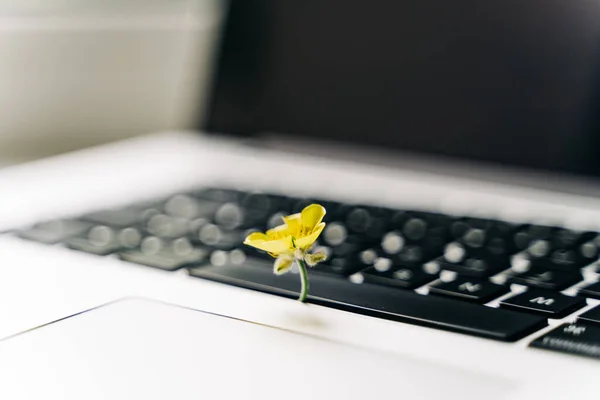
[278, 232]
[311, 216]
[283, 264]
[306, 241]
[274, 247]
[256, 237]
[293, 223]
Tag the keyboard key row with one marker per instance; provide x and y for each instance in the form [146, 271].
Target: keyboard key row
[381, 301]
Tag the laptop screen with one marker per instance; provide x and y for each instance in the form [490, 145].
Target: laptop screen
[508, 81]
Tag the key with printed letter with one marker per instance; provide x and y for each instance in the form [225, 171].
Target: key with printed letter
[578, 338]
[470, 289]
[551, 304]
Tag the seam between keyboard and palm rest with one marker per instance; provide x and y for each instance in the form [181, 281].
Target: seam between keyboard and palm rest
[422, 289]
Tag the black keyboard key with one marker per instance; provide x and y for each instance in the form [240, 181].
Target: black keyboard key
[478, 291]
[543, 302]
[551, 239]
[547, 279]
[578, 338]
[169, 256]
[590, 316]
[561, 260]
[397, 276]
[344, 260]
[381, 301]
[220, 195]
[530, 233]
[475, 267]
[118, 218]
[592, 291]
[415, 245]
[215, 237]
[370, 222]
[334, 234]
[399, 219]
[103, 240]
[415, 229]
[413, 256]
[258, 209]
[56, 231]
[168, 227]
[567, 239]
[393, 242]
[469, 262]
[260, 202]
[589, 250]
[189, 207]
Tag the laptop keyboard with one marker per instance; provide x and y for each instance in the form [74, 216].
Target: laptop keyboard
[418, 267]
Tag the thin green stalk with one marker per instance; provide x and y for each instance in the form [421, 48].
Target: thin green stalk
[303, 279]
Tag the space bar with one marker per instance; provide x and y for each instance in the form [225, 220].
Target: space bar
[380, 301]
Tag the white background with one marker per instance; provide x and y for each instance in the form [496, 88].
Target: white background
[75, 74]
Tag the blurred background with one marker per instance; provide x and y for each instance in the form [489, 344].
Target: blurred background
[75, 74]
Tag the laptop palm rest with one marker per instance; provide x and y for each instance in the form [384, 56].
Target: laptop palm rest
[142, 349]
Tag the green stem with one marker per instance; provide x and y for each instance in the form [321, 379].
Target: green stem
[303, 279]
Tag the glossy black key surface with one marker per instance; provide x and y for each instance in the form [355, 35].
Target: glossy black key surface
[478, 291]
[561, 260]
[578, 338]
[556, 240]
[495, 236]
[167, 255]
[103, 240]
[219, 195]
[590, 316]
[381, 301]
[189, 207]
[119, 218]
[568, 239]
[590, 250]
[413, 256]
[543, 302]
[477, 263]
[547, 279]
[592, 291]
[215, 237]
[52, 232]
[530, 233]
[167, 226]
[398, 277]
[343, 260]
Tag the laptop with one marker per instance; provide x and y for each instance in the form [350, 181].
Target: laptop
[454, 147]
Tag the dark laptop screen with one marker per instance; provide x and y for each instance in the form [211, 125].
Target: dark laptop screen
[511, 81]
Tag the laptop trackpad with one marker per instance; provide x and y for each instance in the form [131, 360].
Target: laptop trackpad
[141, 349]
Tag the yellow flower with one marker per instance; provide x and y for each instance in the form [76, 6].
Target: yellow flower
[303, 228]
[292, 239]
